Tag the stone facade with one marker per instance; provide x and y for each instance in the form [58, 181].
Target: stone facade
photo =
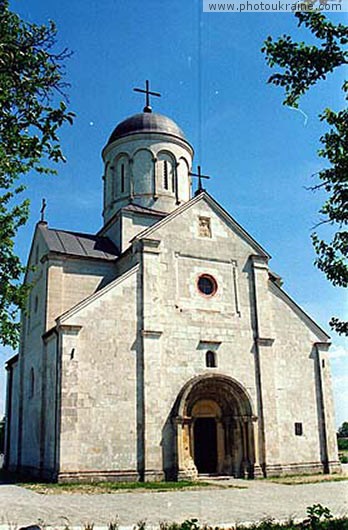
[167, 347]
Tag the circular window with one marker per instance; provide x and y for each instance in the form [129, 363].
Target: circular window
[207, 285]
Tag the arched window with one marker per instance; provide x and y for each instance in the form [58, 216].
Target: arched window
[165, 174]
[210, 359]
[166, 171]
[122, 178]
[37, 255]
[32, 383]
[107, 183]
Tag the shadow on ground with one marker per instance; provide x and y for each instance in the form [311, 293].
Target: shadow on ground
[7, 477]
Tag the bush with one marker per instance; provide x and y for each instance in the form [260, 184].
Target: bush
[343, 430]
[342, 444]
[318, 518]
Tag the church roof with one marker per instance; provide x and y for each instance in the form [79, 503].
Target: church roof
[11, 361]
[78, 244]
[146, 122]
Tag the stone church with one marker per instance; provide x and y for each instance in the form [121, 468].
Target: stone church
[163, 347]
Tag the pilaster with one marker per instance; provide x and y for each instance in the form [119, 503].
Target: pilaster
[328, 440]
[265, 366]
[151, 333]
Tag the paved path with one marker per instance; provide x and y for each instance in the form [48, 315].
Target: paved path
[258, 500]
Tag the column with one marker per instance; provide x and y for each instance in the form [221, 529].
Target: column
[186, 467]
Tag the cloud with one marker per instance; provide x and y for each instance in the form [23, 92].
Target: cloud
[338, 352]
[341, 380]
[303, 114]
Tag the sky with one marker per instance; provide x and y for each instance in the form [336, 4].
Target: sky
[213, 79]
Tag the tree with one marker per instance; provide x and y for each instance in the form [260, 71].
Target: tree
[31, 79]
[343, 430]
[302, 65]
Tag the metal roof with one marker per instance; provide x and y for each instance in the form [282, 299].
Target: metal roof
[11, 361]
[78, 244]
[147, 122]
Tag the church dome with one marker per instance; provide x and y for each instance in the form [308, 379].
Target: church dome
[146, 122]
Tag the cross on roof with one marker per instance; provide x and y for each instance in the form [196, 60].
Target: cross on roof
[148, 92]
[42, 211]
[200, 177]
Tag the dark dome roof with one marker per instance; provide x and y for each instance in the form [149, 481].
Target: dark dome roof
[146, 122]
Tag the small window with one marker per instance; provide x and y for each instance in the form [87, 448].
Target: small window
[207, 285]
[323, 363]
[36, 305]
[165, 174]
[122, 178]
[32, 383]
[210, 359]
[28, 313]
[298, 429]
[37, 255]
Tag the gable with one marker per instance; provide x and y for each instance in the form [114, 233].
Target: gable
[38, 249]
[290, 314]
[184, 223]
[93, 300]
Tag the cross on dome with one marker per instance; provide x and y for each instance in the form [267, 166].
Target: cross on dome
[148, 92]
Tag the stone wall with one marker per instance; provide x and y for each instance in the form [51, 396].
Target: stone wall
[98, 398]
[12, 425]
[180, 325]
[71, 280]
[31, 360]
[56, 285]
[99, 384]
[50, 411]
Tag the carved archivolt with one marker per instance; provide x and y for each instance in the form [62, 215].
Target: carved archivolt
[228, 406]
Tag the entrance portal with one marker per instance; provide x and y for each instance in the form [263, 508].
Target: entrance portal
[214, 428]
[205, 445]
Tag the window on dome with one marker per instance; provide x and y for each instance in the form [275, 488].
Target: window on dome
[122, 178]
[165, 174]
[166, 171]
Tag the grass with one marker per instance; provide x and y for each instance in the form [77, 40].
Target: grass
[114, 487]
[294, 480]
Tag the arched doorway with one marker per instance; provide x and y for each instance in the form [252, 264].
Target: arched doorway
[214, 428]
[206, 416]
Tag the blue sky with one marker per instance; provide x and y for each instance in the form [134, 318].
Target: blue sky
[260, 154]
